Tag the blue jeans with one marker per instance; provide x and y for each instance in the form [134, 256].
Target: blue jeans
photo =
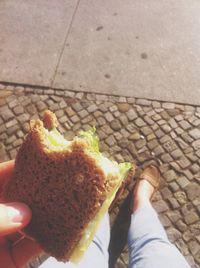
[148, 244]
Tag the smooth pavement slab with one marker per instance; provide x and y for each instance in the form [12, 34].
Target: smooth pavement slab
[31, 39]
[141, 48]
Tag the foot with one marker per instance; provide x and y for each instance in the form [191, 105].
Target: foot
[147, 184]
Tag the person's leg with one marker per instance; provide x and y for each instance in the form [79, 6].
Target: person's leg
[149, 246]
[96, 255]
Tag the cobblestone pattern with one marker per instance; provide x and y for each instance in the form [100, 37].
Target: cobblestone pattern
[129, 129]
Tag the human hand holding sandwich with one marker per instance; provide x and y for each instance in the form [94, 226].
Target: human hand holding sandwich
[15, 249]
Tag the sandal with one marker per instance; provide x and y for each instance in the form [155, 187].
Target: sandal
[152, 175]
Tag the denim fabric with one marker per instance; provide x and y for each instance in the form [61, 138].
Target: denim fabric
[148, 244]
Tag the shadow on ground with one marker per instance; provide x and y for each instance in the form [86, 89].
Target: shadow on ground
[119, 231]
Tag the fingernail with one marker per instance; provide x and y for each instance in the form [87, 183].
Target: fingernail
[17, 212]
[14, 215]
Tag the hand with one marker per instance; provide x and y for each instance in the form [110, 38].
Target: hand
[15, 249]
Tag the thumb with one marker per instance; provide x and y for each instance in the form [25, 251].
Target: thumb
[13, 217]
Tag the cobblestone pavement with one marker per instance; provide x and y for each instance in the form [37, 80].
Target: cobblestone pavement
[129, 129]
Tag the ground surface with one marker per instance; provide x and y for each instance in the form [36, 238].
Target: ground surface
[145, 49]
[129, 129]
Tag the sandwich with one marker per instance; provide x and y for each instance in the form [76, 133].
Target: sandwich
[69, 186]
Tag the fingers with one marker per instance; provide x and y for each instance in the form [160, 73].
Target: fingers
[13, 217]
[6, 170]
[24, 251]
[19, 254]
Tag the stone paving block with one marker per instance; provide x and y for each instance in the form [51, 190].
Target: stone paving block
[188, 174]
[109, 117]
[166, 193]
[59, 113]
[156, 117]
[148, 120]
[182, 227]
[181, 197]
[193, 246]
[176, 154]
[107, 129]
[123, 107]
[146, 130]
[173, 234]
[161, 122]
[174, 216]
[140, 143]
[143, 102]
[83, 113]
[173, 203]
[196, 123]
[191, 217]
[87, 119]
[113, 108]
[77, 106]
[11, 130]
[70, 112]
[117, 114]
[184, 162]
[23, 117]
[92, 108]
[179, 131]
[187, 235]
[172, 123]
[6, 114]
[56, 98]
[132, 128]
[195, 168]
[131, 114]
[166, 158]
[131, 100]
[183, 182]
[158, 150]
[110, 140]
[139, 122]
[186, 137]
[135, 136]
[153, 144]
[159, 133]
[63, 119]
[195, 133]
[166, 128]
[165, 115]
[18, 110]
[124, 133]
[156, 104]
[168, 105]
[170, 145]
[160, 206]
[20, 134]
[192, 190]
[184, 124]
[115, 124]
[101, 121]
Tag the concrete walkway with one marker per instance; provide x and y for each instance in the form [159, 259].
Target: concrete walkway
[145, 49]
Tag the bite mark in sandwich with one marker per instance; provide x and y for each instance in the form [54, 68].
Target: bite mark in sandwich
[69, 186]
